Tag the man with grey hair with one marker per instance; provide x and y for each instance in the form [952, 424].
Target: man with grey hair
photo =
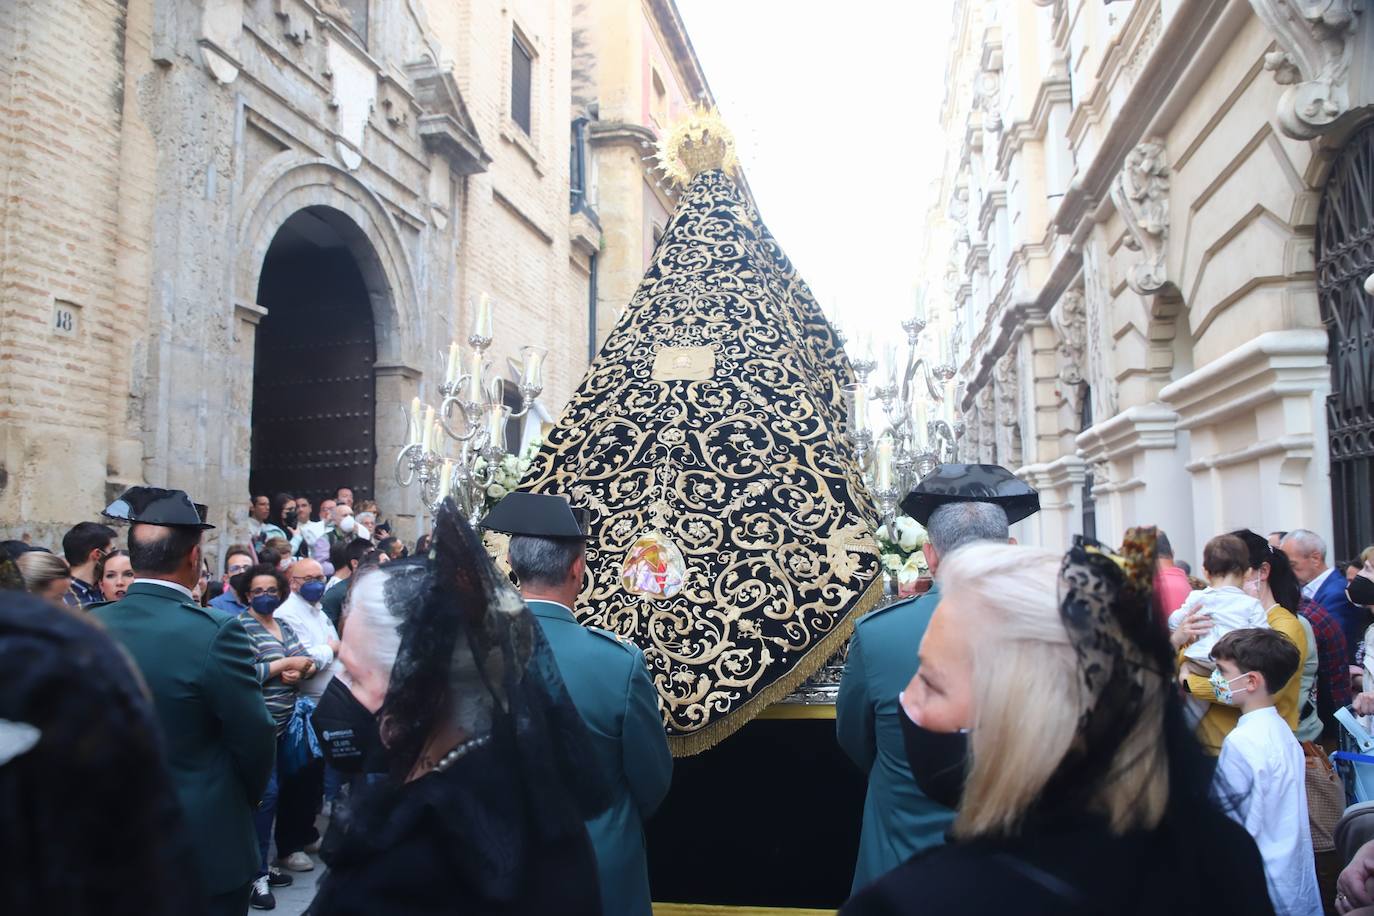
[1306, 552]
[959, 504]
[608, 681]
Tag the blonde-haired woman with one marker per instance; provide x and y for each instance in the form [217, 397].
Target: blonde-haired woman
[1044, 713]
[45, 574]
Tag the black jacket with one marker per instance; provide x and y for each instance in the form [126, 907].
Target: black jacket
[465, 841]
[1211, 866]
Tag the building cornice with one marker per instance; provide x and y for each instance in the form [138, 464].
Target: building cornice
[1135, 429]
[665, 15]
[1185, 34]
[1274, 364]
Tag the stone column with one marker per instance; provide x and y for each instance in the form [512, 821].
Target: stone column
[1258, 455]
[1137, 459]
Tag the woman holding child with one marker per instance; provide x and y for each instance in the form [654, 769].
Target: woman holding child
[1270, 579]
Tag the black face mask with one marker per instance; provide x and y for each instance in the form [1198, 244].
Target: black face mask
[1360, 591]
[938, 760]
[348, 732]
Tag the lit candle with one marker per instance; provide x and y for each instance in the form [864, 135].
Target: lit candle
[475, 388]
[413, 433]
[532, 367]
[446, 479]
[920, 416]
[882, 473]
[481, 318]
[427, 430]
[497, 416]
[451, 374]
[859, 418]
[437, 436]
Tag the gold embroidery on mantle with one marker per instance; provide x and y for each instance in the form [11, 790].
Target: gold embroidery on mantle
[745, 470]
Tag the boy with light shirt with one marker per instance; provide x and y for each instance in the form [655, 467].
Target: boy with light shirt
[1260, 772]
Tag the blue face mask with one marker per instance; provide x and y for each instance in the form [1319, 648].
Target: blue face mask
[264, 604]
[312, 591]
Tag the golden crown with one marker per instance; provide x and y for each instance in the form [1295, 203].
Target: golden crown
[698, 143]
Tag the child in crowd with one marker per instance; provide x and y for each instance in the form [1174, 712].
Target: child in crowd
[1261, 769]
[1225, 560]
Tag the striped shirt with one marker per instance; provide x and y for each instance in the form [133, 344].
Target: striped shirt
[280, 696]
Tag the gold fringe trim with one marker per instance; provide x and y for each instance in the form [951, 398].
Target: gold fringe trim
[713, 734]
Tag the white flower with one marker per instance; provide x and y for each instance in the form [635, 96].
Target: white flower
[496, 491]
[911, 570]
[910, 535]
[509, 463]
[892, 562]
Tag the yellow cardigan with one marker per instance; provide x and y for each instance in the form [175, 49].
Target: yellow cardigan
[1220, 718]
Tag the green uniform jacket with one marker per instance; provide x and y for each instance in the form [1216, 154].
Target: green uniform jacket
[609, 684]
[220, 740]
[899, 821]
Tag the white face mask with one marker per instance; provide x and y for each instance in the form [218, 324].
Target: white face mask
[347, 524]
[364, 533]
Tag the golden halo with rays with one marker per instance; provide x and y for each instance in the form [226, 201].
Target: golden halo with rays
[698, 142]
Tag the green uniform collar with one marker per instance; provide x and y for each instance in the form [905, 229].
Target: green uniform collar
[549, 610]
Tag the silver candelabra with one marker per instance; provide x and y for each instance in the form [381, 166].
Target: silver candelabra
[472, 413]
[922, 429]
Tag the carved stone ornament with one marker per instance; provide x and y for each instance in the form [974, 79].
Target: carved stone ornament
[987, 97]
[1069, 318]
[987, 429]
[958, 204]
[1316, 44]
[1141, 196]
[220, 26]
[1008, 393]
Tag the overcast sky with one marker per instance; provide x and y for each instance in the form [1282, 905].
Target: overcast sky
[835, 108]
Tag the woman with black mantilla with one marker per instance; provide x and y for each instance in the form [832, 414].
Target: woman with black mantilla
[491, 769]
[1053, 728]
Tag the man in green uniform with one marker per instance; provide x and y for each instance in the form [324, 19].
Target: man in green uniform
[198, 664]
[608, 682]
[959, 504]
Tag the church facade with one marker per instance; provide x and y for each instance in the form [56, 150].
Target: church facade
[239, 237]
[1153, 230]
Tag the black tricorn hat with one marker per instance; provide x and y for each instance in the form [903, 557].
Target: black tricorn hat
[537, 515]
[971, 483]
[156, 506]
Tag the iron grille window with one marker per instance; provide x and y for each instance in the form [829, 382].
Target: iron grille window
[521, 70]
[1345, 257]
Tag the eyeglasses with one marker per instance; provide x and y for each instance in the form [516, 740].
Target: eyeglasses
[238, 567]
[307, 579]
[263, 591]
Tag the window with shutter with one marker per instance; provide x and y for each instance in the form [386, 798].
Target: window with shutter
[521, 67]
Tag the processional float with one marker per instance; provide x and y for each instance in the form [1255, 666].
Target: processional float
[732, 531]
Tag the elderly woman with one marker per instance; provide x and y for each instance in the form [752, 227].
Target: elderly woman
[452, 688]
[45, 575]
[1052, 727]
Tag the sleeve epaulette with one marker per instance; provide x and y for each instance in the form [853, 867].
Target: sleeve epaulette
[878, 612]
[619, 640]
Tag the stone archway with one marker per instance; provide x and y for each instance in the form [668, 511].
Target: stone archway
[368, 234]
[314, 383]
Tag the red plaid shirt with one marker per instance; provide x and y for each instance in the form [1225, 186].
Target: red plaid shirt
[1333, 675]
